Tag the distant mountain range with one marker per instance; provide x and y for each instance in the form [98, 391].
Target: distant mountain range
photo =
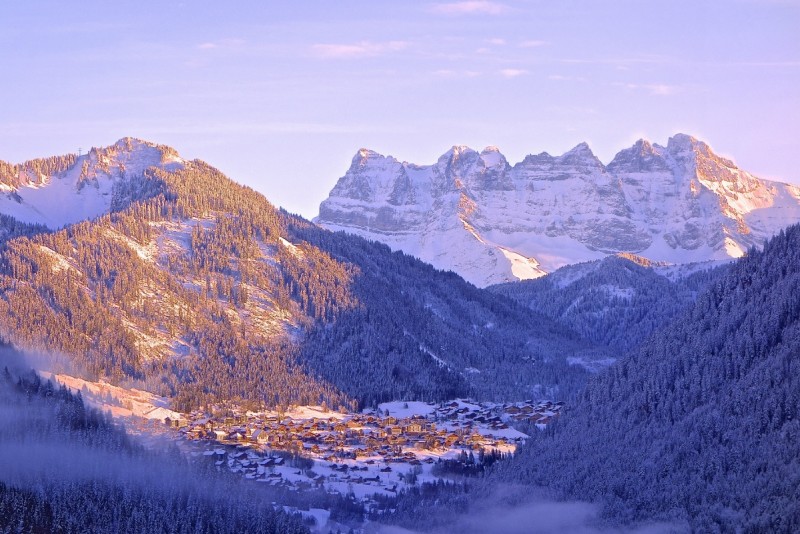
[475, 214]
[142, 267]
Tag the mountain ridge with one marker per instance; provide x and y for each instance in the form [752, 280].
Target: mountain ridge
[474, 213]
[68, 189]
[196, 287]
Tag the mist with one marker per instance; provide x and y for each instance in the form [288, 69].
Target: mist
[517, 509]
[65, 467]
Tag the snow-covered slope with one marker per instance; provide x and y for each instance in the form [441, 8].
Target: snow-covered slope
[61, 191]
[474, 213]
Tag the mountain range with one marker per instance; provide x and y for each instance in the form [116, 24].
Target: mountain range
[140, 267]
[475, 214]
[136, 266]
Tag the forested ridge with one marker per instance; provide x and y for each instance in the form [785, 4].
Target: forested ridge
[702, 423]
[616, 302]
[198, 288]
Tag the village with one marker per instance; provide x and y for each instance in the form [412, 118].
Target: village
[358, 455]
[382, 450]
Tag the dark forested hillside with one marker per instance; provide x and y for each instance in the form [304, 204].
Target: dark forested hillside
[616, 302]
[702, 422]
[66, 468]
[422, 333]
[196, 287]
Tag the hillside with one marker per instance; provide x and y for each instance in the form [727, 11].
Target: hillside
[702, 422]
[616, 302]
[195, 287]
[477, 215]
[67, 468]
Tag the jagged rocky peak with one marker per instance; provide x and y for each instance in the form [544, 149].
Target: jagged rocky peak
[458, 158]
[641, 157]
[687, 149]
[369, 176]
[681, 142]
[365, 157]
[473, 213]
[581, 156]
[491, 157]
[137, 152]
[532, 162]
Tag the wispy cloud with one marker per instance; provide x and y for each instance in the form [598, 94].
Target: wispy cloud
[221, 44]
[496, 41]
[562, 78]
[474, 7]
[449, 73]
[654, 89]
[512, 73]
[363, 49]
[532, 43]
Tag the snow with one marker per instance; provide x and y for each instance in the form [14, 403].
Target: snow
[401, 409]
[473, 214]
[521, 267]
[84, 191]
[59, 202]
[292, 248]
[60, 263]
[120, 402]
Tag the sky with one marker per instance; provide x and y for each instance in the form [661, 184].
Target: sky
[281, 95]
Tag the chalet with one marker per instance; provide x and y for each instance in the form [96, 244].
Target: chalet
[175, 423]
[413, 428]
[220, 435]
[236, 435]
[260, 436]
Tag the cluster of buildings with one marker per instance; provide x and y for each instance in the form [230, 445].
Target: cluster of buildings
[456, 425]
[378, 451]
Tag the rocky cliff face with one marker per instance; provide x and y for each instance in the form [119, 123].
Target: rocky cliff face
[474, 213]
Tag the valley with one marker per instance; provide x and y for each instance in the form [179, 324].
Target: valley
[350, 382]
[380, 452]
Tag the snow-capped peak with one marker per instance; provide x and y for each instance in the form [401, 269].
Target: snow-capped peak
[64, 190]
[475, 214]
[581, 155]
